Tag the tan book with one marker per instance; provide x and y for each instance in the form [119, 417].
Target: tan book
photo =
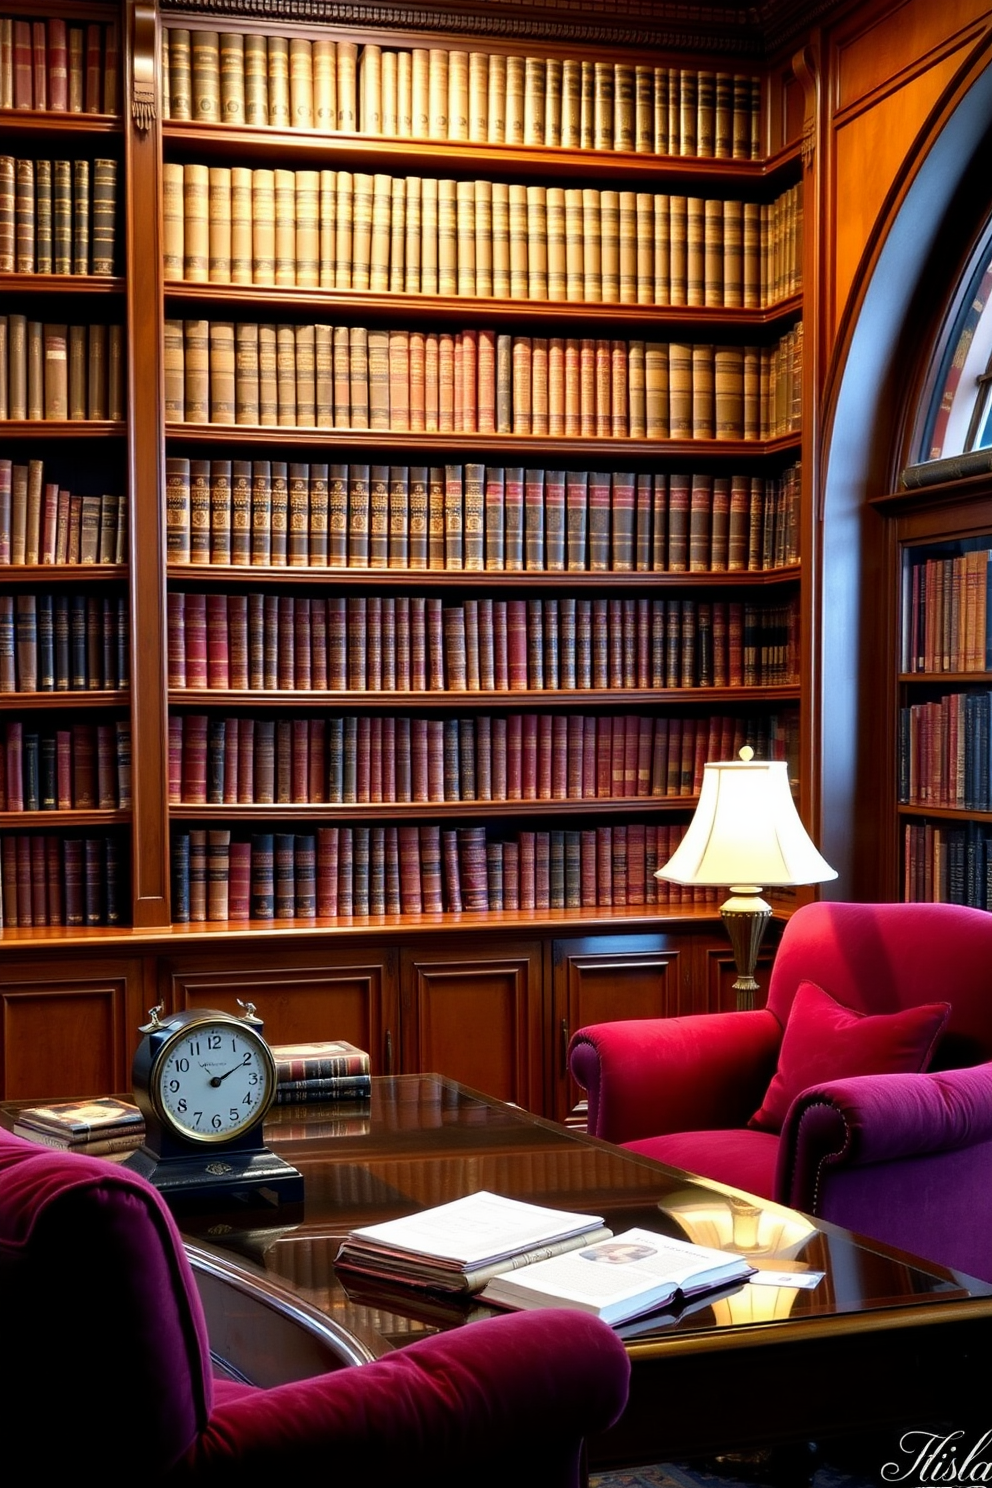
[482, 192]
[656, 389]
[242, 225]
[571, 103]
[752, 255]
[733, 254]
[361, 236]
[609, 238]
[17, 363]
[537, 243]
[413, 234]
[496, 99]
[447, 238]
[404, 94]
[173, 240]
[643, 227]
[662, 246]
[232, 78]
[301, 101]
[219, 227]
[713, 253]
[381, 242]
[306, 376]
[661, 141]
[729, 392]
[358, 363]
[205, 104]
[518, 241]
[197, 371]
[308, 229]
[222, 374]
[116, 373]
[256, 60]
[173, 364]
[624, 106]
[326, 227]
[370, 90]
[552, 103]
[516, 85]
[465, 237]
[343, 230]
[97, 353]
[723, 116]
[604, 88]
[437, 94]
[284, 219]
[263, 226]
[280, 111]
[688, 111]
[694, 251]
[643, 109]
[325, 85]
[246, 395]
[703, 392]
[347, 86]
[501, 239]
[587, 104]
[390, 125]
[32, 528]
[478, 97]
[341, 351]
[678, 261]
[78, 358]
[592, 277]
[196, 215]
[636, 390]
[324, 375]
[420, 92]
[180, 72]
[535, 89]
[36, 372]
[705, 113]
[458, 95]
[286, 376]
[4, 369]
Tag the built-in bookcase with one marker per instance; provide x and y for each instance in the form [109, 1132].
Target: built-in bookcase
[65, 652]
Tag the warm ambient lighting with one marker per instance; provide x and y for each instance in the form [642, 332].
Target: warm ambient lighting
[746, 834]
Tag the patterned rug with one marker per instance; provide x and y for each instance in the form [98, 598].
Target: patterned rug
[686, 1475]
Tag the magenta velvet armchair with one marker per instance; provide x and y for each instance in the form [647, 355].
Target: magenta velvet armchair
[105, 1346]
[903, 1157]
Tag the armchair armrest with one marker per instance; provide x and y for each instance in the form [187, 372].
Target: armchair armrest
[508, 1399]
[906, 1158]
[646, 1077]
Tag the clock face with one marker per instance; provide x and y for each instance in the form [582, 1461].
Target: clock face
[213, 1080]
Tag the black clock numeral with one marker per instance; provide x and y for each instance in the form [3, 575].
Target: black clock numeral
[182, 1065]
[248, 1099]
[197, 1117]
[253, 1078]
[194, 1048]
[233, 1114]
[217, 1121]
[213, 1042]
[173, 1085]
[181, 1107]
[247, 1058]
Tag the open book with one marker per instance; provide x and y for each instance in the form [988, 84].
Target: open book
[634, 1273]
[458, 1247]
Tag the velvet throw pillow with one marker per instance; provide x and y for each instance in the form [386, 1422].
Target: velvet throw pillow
[823, 1040]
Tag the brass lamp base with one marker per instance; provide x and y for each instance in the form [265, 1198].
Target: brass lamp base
[745, 915]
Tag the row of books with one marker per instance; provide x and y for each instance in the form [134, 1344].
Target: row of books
[96, 1127]
[944, 757]
[944, 864]
[43, 522]
[337, 229]
[333, 1070]
[84, 767]
[478, 381]
[60, 371]
[55, 66]
[947, 617]
[448, 94]
[345, 871]
[64, 643]
[49, 879]
[367, 643]
[57, 216]
[474, 517]
[359, 759]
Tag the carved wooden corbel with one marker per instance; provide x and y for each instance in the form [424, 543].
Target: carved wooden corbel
[143, 91]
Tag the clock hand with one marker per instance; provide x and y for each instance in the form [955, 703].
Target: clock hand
[217, 1079]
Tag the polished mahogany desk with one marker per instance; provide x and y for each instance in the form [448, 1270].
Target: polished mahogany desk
[883, 1340]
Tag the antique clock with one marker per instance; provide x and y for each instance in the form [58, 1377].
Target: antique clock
[203, 1081]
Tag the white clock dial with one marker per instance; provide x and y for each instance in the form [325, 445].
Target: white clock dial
[213, 1081]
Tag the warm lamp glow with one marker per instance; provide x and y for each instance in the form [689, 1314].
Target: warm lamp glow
[746, 834]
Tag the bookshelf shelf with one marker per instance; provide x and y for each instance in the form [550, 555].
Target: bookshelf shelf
[21, 429]
[461, 578]
[23, 821]
[434, 810]
[546, 697]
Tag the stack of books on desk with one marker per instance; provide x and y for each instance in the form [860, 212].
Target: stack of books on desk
[97, 1127]
[332, 1070]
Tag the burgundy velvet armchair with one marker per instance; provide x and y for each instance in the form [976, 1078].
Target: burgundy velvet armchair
[105, 1349]
[905, 1157]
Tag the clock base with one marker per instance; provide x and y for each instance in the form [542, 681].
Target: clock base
[255, 1179]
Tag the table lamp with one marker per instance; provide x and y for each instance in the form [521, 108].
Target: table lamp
[746, 835]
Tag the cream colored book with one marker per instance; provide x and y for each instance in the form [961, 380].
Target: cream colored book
[205, 107]
[518, 241]
[501, 239]
[644, 238]
[323, 355]
[478, 97]
[643, 109]
[609, 238]
[390, 120]
[370, 90]
[222, 372]
[397, 236]
[404, 94]
[232, 78]
[268, 378]
[301, 104]
[378, 378]
[535, 86]
[496, 101]
[173, 249]
[703, 392]
[458, 95]
[661, 145]
[603, 95]
[624, 106]
[537, 243]
[256, 59]
[361, 237]
[437, 94]
[173, 362]
[263, 227]
[412, 200]
[552, 103]
[284, 209]
[636, 391]
[557, 261]
[196, 211]
[306, 377]
[556, 386]
[483, 202]
[656, 389]
[733, 254]
[694, 259]
[662, 244]
[515, 90]
[729, 391]
[465, 237]
[286, 375]
[324, 62]
[574, 245]
[246, 409]
[571, 103]
[197, 371]
[420, 92]
[347, 87]
[752, 255]
[382, 192]
[220, 226]
[678, 227]
[343, 229]
[713, 253]
[280, 111]
[447, 238]
[429, 235]
[592, 278]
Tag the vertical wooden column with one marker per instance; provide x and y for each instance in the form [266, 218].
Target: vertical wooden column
[146, 464]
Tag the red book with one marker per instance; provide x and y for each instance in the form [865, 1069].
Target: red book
[375, 759]
[83, 766]
[23, 68]
[22, 878]
[511, 875]
[418, 643]
[92, 97]
[434, 645]
[617, 650]
[387, 784]
[411, 901]
[619, 866]
[327, 871]
[632, 731]
[430, 869]
[498, 746]
[516, 638]
[317, 759]
[39, 886]
[589, 790]
[39, 65]
[435, 759]
[486, 645]
[617, 757]
[357, 632]
[604, 866]
[73, 879]
[53, 875]
[218, 667]
[514, 757]
[195, 619]
[302, 658]
[472, 862]
[528, 750]
[402, 642]
[501, 653]
[239, 881]
[450, 871]
[346, 871]
[284, 638]
[545, 732]
[106, 767]
[194, 759]
[63, 769]
[388, 644]
[527, 848]
[337, 648]
[15, 765]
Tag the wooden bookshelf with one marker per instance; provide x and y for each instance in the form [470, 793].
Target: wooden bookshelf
[415, 987]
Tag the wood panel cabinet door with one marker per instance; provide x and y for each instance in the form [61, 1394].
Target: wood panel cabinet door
[474, 1014]
[66, 1027]
[301, 997]
[606, 978]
